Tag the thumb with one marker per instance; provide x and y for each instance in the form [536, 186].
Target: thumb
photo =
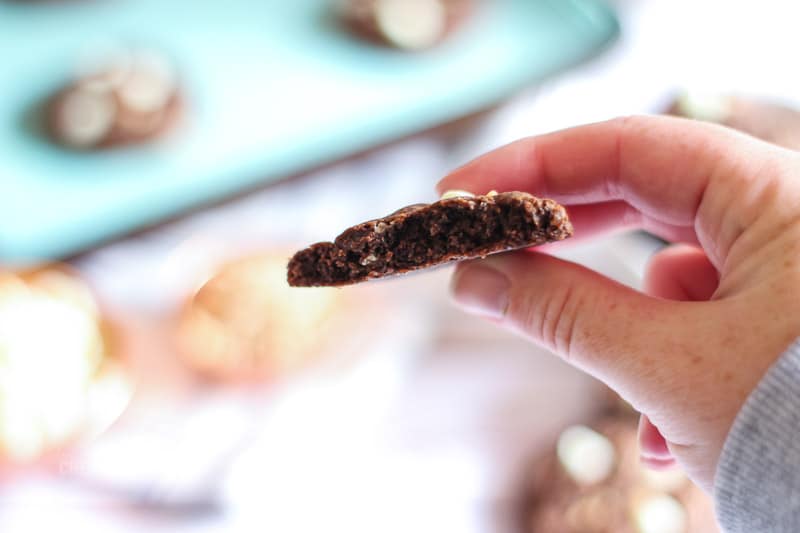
[608, 330]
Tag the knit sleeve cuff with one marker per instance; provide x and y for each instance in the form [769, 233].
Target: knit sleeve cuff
[757, 484]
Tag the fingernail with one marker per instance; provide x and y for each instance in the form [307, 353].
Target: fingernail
[481, 290]
[440, 187]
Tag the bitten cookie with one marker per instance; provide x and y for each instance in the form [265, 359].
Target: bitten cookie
[404, 24]
[459, 226]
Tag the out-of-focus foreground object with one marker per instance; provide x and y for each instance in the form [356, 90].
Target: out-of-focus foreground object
[593, 482]
[61, 377]
[247, 324]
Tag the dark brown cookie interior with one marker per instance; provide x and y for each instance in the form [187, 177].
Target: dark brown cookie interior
[428, 235]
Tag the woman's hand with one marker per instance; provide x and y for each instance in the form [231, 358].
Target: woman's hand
[719, 307]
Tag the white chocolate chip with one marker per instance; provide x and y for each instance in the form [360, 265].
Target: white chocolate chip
[411, 24]
[150, 83]
[368, 260]
[586, 455]
[705, 106]
[456, 193]
[660, 514]
[84, 117]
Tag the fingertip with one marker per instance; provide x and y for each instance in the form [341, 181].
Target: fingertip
[441, 185]
[479, 289]
[681, 272]
[547, 248]
[657, 464]
[652, 444]
[456, 180]
[507, 168]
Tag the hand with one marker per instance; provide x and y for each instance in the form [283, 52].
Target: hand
[719, 307]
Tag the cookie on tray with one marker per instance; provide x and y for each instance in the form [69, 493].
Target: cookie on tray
[131, 97]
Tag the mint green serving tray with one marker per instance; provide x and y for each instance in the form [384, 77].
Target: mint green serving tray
[274, 87]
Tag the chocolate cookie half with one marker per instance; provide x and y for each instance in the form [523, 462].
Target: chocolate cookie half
[424, 235]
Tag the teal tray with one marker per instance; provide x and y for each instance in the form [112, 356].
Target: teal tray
[275, 87]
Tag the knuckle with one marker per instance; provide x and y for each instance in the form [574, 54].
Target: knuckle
[550, 317]
[630, 124]
[623, 122]
[624, 127]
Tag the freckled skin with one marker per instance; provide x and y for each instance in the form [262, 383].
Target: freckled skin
[718, 307]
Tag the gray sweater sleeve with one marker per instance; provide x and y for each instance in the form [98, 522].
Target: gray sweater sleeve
[757, 485]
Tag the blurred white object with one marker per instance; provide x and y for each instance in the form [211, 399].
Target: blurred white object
[58, 379]
[586, 455]
[411, 24]
[710, 107]
[660, 514]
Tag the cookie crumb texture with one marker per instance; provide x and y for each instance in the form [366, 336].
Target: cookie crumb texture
[425, 235]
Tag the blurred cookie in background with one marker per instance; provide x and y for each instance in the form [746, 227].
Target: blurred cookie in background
[770, 121]
[404, 24]
[245, 324]
[123, 96]
[61, 375]
[593, 482]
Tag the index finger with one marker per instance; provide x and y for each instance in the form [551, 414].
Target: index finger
[661, 166]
